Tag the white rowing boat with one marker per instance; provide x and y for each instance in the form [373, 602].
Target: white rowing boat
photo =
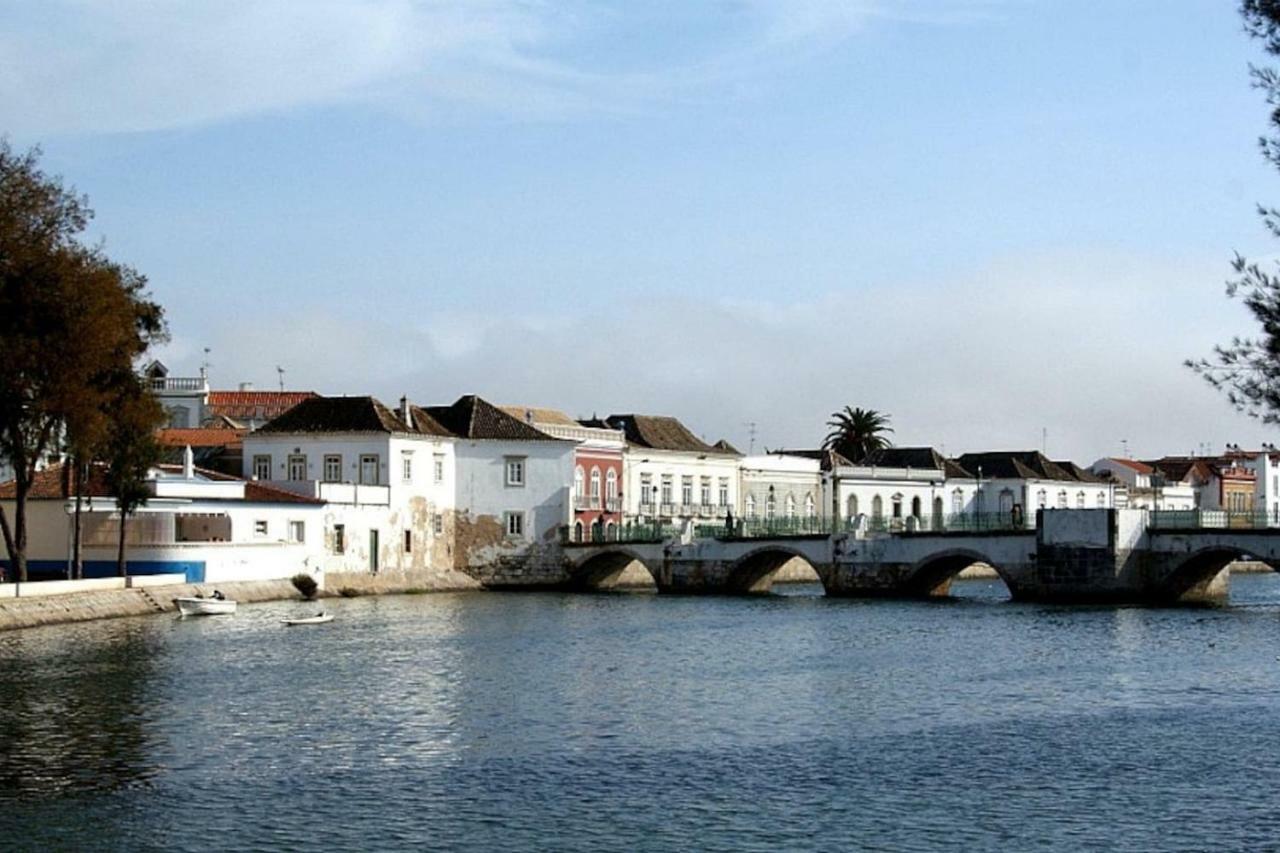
[194, 606]
[318, 619]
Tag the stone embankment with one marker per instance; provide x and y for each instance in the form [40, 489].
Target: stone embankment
[37, 610]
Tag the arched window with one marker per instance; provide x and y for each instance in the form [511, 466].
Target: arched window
[1062, 499]
[180, 417]
[579, 482]
[597, 530]
[1041, 499]
[1080, 500]
[577, 530]
[1102, 500]
[915, 507]
[595, 488]
[611, 484]
[770, 506]
[791, 507]
[810, 507]
[957, 502]
[897, 506]
[1006, 501]
[852, 505]
[610, 531]
[877, 507]
[937, 513]
[751, 506]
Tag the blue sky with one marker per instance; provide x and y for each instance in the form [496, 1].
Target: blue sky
[985, 217]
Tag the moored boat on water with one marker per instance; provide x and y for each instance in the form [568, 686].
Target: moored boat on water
[200, 606]
[318, 619]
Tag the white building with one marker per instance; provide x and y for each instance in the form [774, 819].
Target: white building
[1019, 483]
[206, 526]
[1146, 487]
[419, 487]
[781, 486]
[895, 484]
[671, 475]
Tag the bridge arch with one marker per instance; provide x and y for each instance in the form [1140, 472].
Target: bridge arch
[756, 571]
[611, 568]
[931, 577]
[1201, 577]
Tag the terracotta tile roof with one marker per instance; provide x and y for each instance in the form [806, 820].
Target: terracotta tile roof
[660, 432]
[1084, 475]
[254, 405]
[474, 417]
[336, 414]
[52, 484]
[536, 415]
[426, 424]
[1132, 465]
[200, 437]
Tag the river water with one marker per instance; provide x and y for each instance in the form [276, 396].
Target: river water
[487, 721]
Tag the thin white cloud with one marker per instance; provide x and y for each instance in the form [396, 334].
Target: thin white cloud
[69, 66]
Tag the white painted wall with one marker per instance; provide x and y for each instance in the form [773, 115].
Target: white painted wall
[638, 462]
[544, 499]
[797, 477]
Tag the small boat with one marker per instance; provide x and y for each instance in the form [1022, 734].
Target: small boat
[199, 606]
[318, 619]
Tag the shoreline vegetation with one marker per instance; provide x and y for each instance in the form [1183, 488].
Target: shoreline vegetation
[39, 611]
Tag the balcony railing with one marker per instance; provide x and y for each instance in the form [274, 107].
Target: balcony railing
[177, 383]
[629, 532]
[613, 504]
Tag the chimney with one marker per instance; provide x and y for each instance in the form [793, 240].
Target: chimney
[246, 386]
[528, 416]
[188, 464]
[405, 414]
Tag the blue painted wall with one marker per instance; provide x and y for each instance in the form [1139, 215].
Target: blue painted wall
[56, 569]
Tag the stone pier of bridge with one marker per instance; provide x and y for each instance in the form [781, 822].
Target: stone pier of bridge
[1072, 556]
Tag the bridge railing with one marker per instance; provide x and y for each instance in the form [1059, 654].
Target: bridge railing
[1210, 519]
[628, 532]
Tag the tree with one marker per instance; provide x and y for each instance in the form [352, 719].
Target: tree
[131, 451]
[857, 432]
[71, 322]
[1247, 369]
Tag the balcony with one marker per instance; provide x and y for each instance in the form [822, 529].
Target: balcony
[613, 504]
[161, 384]
[581, 502]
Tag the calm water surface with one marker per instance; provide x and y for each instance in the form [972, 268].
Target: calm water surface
[635, 722]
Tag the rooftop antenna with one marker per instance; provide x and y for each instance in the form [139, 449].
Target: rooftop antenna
[751, 437]
[280, 370]
[1124, 443]
[1044, 440]
[205, 365]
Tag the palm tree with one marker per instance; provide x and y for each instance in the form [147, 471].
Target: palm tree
[857, 432]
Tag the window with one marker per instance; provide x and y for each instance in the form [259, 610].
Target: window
[297, 466]
[1080, 500]
[297, 531]
[686, 491]
[810, 507]
[179, 417]
[791, 507]
[262, 467]
[724, 491]
[437, 473]
[369, 469]
[1062, 499]
[408, 541]
[611, 484]
[666, 488]
[1102, 500]
[610, 531]
[751, 507]
[897, 506]
[333, 468]
[514, 524]
[339, 539]
[877, 507]
[595, 488]
[260, 527]
[577, 531]
[705, 491]
[915, 507]
[1041, 499]
[579, 482]
[770, 506]
[437, 524]
[851, 506]
[646, 488]
[406, 466]
[515, 470]
[1006, 501]
[957, 502]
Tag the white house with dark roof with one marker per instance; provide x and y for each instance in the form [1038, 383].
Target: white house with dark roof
[781, 487]
[671, 475]
[418, 487]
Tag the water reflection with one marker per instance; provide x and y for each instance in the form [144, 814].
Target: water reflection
[77, 709]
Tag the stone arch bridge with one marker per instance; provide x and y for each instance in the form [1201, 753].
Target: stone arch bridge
[1073, 556]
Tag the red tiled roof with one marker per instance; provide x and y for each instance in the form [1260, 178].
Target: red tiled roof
[1133, 464]
[262, 405]
[200, 437]
[50, 485]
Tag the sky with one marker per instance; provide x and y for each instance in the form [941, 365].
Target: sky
[1005, 223]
